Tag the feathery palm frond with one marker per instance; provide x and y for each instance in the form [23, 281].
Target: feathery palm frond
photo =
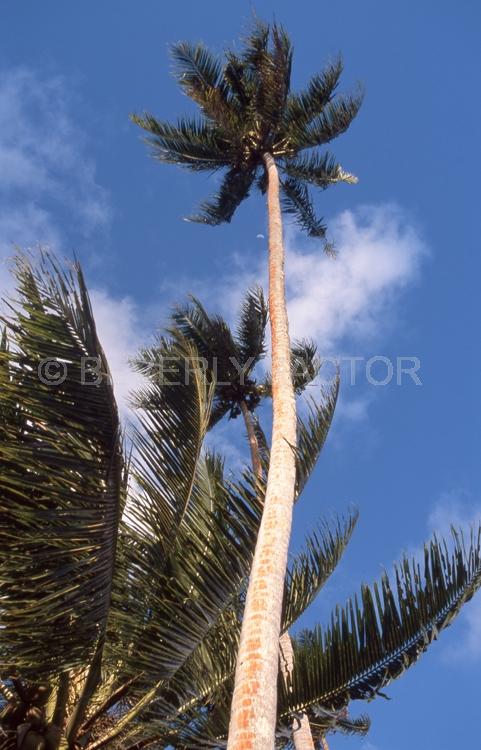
[297, 202]
[233, 190]
[191, 144]
[310, 569]
[61, 475]
[312, 433]
[305, 364]
[251, 328]
[372, 642]
[321, 171]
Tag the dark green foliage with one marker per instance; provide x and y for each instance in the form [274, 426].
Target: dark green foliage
[248, 111]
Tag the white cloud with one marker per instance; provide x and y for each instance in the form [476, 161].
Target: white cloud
[121, 332]
[48, 185]
[348, 298]
[44, 167]
[338, 301]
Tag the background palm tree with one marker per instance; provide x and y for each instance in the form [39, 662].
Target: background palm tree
[230, 361]
[373, 639]
[252, 126]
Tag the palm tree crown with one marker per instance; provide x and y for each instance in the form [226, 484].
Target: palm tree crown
[247, 112]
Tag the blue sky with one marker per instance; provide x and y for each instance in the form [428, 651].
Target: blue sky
[75, 175]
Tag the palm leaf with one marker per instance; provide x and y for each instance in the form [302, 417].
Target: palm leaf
[190, 143]
[251, 328]
[297, 202]
[305, 364]
[305, 105]
[311, 568]
[312, 433]
[61, 480]
[321, 171]
[233, 190]
[331, 123]
[371, 643]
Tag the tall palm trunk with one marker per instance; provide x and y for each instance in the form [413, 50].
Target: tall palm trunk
[301, 730]
[254, 703]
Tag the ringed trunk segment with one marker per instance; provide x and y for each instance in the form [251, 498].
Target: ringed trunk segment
[301, 728]
[254, 704]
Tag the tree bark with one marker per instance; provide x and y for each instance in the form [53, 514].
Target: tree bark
[301, 729]
[254, 703]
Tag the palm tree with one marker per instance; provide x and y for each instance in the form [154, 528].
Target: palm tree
[367, 644]
[230, 361]
[123, 582]
[117, 579]
[252, 126]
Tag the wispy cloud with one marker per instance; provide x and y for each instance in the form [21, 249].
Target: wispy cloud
[48, 192]
[350, 298]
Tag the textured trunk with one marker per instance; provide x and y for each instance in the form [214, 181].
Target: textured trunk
[301, 729]
[254, 703]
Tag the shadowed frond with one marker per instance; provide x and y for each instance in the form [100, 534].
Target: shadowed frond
[251, 328]
[331, 123]
[61, 479]
[312, 433]
[234, 189]
[305, 105]
[305, 364]
[193, 144]
[297, 202]
[372, 642]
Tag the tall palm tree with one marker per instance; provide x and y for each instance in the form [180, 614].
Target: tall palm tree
[230, 361]
[252, 126]
[123, 583]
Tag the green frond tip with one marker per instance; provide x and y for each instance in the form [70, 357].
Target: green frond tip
[220, 209]
[297, 202]
[376, 637]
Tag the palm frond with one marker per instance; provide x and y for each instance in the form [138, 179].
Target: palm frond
[372, 642]
[305, 364]
[312, 433]
[233, 190]
[196, 68]
[321, 171]
[251, 328]
[61, 480]
[302, 107]
[331, 123]
[312, 566]
[297, 202]
[190, 143]
[200, 75]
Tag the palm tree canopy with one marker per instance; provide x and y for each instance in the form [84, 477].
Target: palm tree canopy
[230, 358]
[247, 110]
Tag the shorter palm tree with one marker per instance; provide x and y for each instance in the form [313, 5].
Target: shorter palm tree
[375, 637]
